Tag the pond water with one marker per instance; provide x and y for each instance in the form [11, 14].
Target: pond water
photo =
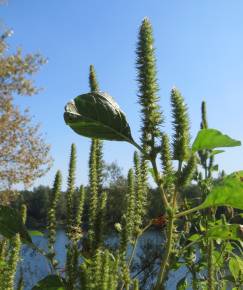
[36, 267]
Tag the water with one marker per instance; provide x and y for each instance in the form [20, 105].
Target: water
[36, 267]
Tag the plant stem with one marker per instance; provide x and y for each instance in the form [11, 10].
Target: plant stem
[210, 266]
[186, 212]
[170, 227]
[158, 181]
[159, 284]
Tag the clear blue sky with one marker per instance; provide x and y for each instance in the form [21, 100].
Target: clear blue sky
[199, 49]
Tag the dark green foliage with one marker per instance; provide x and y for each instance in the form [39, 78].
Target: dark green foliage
[11, 223]
[10, 255]
[90, 115]
[148, 87]
[181, 136]
[50, 282]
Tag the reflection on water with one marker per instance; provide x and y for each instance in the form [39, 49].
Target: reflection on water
[35, 266]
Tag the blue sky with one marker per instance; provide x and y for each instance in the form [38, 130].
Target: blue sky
[199, 49]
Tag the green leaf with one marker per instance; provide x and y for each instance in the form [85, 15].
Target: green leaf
[36, 233]
[97, 115]
[11, 224]
[51, 282]
[211, 138]
[215, 152]
[228, 192]
[194, 237]
[236, 267]
[226, 232]
[182, 284]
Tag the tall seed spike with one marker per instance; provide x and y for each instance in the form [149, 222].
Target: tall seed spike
[93, 83]
[100, 222]
[204, 123]
[181, 136]
[188, 171]
[166, 162]
[51, 216]
[70, 190]
[148, 88]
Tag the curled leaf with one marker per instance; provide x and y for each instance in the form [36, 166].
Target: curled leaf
[97, 115]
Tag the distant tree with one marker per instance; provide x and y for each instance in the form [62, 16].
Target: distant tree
[24, 154]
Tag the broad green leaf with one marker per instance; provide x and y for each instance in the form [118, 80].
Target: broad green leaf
[236, 267]
[212, 138]
[194, 237]
[11, 224]
[51, 282]
[182, 284]
[226, 232]
[215, 152]
[228, 192]
[97, 115]
[36, 233]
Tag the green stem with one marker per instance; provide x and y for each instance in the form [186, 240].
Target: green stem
[186, 212]
[160, 280]
[135, 246]
[158, 181]
[210, 266]
[136, 241]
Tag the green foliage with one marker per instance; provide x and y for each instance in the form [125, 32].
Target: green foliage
[11, 223]
[96, 115]
[225, 232]
[228, 192]
[212, 138]
[93, 265]
[51, 282]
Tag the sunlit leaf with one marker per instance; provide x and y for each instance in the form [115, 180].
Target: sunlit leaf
[212, 138]
[36, 233]
[194, 237]
[216, 152]
[226, 232]
[51, 282]
[228, 192]
[236, 267]
[11, 224]
[97, 115]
